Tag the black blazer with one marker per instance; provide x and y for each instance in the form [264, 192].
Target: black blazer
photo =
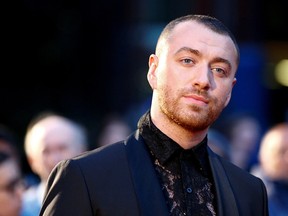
[119, 179]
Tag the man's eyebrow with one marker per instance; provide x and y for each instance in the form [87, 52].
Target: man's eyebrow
[225, 61]
[188, 49]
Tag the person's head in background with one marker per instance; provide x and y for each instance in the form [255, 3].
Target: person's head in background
[11, 185]
[114, 129]
[50, 138]
[243, 132]
[9, 142]
[219, 143]
[273, 153]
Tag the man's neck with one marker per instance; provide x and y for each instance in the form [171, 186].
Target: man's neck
[185, 138]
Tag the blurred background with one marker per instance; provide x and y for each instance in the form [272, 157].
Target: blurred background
[88, 59]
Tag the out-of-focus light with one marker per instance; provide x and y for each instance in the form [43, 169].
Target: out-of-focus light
[281, 72]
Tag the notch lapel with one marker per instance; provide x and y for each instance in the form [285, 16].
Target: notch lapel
[226, 202]
[147, 187]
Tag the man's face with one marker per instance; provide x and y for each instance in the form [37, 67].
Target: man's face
[11, 188]
[52, 141]
[194, 75]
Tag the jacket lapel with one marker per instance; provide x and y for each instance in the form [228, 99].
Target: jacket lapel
[148, 190]
[226, 202]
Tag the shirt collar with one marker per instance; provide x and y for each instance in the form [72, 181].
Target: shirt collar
[163, 147]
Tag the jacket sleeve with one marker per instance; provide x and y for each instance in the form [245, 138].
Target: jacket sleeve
[66, 192]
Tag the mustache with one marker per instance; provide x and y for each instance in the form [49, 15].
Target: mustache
[198, 92]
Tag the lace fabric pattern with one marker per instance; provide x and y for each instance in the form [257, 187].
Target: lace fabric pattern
[184, 175]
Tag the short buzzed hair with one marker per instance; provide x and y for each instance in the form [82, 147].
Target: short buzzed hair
[211, 23]
[79, 131]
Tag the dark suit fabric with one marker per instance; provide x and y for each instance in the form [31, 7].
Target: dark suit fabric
[119, 179]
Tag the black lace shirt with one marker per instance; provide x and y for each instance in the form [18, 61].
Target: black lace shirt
[185, 175]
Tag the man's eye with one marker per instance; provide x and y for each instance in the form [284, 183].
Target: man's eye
[218, 70]
[187, 61]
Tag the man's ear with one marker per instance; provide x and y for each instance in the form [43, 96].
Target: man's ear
[151, 75]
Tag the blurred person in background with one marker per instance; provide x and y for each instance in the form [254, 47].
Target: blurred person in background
[218, 143]
[9, 143]
[49, 138]
[243, 132]
[11, 185]
[114, 129]
[273, 168]
[11, 178]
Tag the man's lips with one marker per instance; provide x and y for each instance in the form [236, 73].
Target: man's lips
[197, 98]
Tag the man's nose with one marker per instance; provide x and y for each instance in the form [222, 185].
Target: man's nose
[202, 78]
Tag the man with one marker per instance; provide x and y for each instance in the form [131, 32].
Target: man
[11, 185]
[273, 167]
[166, 167]
[50, 138]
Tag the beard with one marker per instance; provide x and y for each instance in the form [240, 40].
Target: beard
[191, 117]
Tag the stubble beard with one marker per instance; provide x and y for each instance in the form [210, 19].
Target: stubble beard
[192, 117]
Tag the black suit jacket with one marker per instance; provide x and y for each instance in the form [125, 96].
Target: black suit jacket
[119, 179]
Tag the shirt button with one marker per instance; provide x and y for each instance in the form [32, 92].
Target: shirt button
[189, 190]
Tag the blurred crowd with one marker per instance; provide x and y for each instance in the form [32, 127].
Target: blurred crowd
[51, 137]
